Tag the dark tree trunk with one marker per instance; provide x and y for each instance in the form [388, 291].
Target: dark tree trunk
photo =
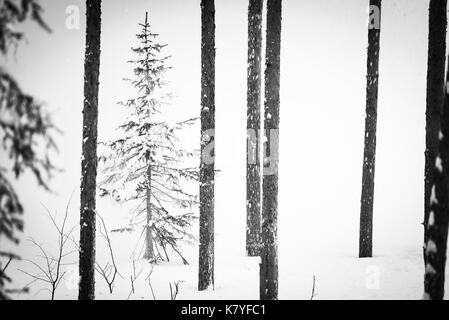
[369, 156]
[149, 249]
[437, 223]
[253, 214]
[437, 218]
[89, 162]
[207, 168]
[269, 255]
[435, 96]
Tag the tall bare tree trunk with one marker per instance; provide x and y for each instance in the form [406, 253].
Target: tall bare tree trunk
[369, 156]
[435, 96]
[207, 167]
[89, 162]
[253, 214]
[438, 221]
[269, 254]
[149, 249]
[437, 218]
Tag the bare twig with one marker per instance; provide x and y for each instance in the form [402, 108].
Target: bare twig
[174, 290]
[51, 272]
[134, 276]
[313, 290]
[149, 282]
[110, 271]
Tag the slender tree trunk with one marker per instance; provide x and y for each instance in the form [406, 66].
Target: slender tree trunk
[253, 214]
[435, 96]
[437, 156]
[369, 156]
[89, 162]
[207, 167]
[269, 255]
[149, 249]
[438, 221]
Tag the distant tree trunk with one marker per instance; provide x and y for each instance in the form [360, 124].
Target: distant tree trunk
[207, 168]
[253, 214]
[369, 156]
[269, 255]
[438, 221]
[435, 96]
[89, 162]
[149, 249]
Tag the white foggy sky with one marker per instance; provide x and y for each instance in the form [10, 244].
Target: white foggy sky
[323, 68]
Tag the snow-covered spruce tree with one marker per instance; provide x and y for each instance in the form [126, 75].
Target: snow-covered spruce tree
[207, 166]
[434, 96]
[369, 154]
[25, 131]
[146, 165]
[253, 173]
[89, 151]
[269, 254]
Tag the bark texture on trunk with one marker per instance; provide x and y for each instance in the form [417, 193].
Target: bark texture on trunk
[207, 168]
[253, 173]
[89, 149]
[437, 156]
[369, 156]
[149, 248]
[438, 221]
[435, 96]
[269, 254]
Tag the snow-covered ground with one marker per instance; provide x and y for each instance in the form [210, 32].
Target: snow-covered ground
[308, 247]
[394, 274]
